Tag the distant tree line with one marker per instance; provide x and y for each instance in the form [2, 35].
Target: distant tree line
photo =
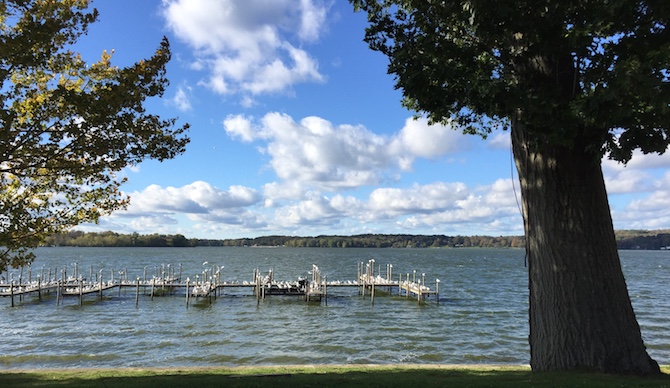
[112, 239]
[381, 241]
[642, 239]
[626, 239]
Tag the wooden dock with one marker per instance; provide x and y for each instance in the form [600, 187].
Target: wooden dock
[368, 280]
[208, 284]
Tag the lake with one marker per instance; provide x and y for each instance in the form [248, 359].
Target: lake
[481, 317]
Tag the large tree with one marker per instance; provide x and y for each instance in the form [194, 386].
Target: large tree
[67, 127]
[574, 80]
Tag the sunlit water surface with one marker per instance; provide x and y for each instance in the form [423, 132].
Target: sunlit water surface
[481, 317]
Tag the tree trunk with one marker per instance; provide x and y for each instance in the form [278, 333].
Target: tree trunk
[581, 316]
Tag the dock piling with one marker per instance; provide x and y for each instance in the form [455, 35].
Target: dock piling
[137, 293]
[187, 291]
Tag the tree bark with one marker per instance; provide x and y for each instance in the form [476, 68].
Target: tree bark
[581, 317]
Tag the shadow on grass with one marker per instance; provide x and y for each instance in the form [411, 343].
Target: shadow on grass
[323, 377]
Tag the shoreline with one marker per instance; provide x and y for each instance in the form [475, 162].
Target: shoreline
[296, 367]
[325, 376]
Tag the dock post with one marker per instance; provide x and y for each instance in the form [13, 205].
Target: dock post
[437, 291]
[20, 284]
[390, 278]
[81, 292]
[58, 292]
[11, 291]
[153, 283]
[137, 292]
[358, 276]
[216, 284]
[39, 287]
[187, 292]
[407, 289]
[372, 292]
[399, 283]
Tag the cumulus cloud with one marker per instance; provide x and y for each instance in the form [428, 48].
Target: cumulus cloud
[197, 198]
[419, 139]
[432, 197]
[628, 181]
[181, 100]
[316, 152]
[649, 212]
[488, 206]
[154, 223]
[500, 140]
[330, 157]
[639, 175]
[313, 210]
[438, 206]
[250, 47]
[273, 191]
[641, 161]
[239, 127]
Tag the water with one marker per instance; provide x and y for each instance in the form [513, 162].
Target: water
[481, 318]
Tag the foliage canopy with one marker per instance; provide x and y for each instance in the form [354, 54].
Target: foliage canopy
[67, 127]
[596, 69]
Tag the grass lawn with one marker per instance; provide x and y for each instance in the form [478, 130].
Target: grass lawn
[321, 376]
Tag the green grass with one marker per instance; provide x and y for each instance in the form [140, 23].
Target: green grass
[323, 376]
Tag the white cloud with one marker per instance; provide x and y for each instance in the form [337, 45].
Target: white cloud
[437, 207]
[647, 161]
[285, 190]
[500, 140]
[649, 212]
[312, 20]
[433, 197]
[238, 127]
[196, 198]
[201, 209]
[250, 47]
[628, 181]
[638, 176]
[316, 152]
[181, 99]
[429, 141]
[491, 207]
[328, 157]
[313, 210]
[155, 223]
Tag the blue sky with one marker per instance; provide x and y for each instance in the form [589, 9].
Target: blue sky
[296, 129]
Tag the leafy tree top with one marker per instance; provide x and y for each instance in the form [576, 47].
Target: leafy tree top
[68, 127]
[588, 71]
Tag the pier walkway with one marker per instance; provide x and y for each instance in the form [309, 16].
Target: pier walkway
[208, 284]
